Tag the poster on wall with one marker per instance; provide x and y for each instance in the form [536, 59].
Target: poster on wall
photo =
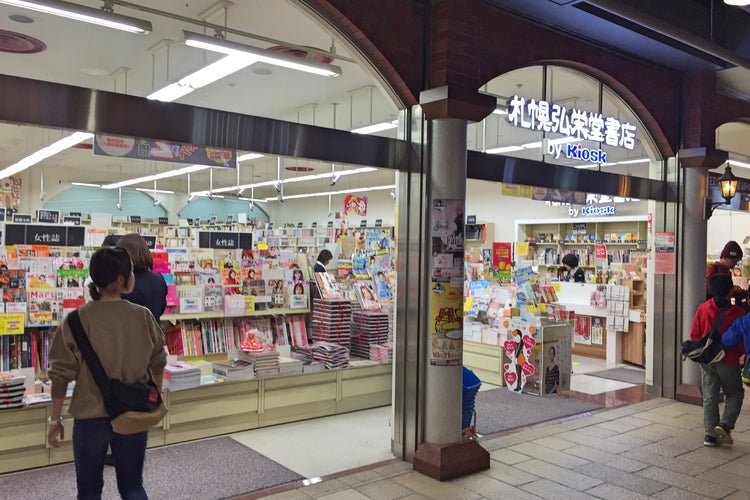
[173, 152]
[10, 190]
[446, 291]
[522, 352]
[518, 190]
[664, 251]
[354, 204]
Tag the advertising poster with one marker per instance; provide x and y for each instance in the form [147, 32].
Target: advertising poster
[446, 300]
[354, 204]
[522, 353]
[11, 194]
[665, 252]
[173, 152]
[501, 260]
[518, 190]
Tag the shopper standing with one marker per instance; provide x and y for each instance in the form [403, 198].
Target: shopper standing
[150, 288]
[730, 255]
[324, 258]
[725, 375]
[574, 273]
[129, 343]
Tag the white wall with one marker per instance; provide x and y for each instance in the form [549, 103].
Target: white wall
[380, 205]
[725, 225]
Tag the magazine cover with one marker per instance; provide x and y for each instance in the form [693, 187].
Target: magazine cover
[276, 288]
[328, 287]
[213, 298]
[382, 281]
[366, 296]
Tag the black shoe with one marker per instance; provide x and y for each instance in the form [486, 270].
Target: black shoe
[709, 441]
[723, 434]
[109, 460]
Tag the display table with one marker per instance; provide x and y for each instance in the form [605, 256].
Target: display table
[211, 410]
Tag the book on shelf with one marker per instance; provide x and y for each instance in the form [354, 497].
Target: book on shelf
[233, 370]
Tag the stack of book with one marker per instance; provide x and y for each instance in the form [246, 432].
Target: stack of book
[12, 389]
[331, 321]
[289, 366]
[236, 369]
[181, 375]
[368, 327]
[332, 355]
[382, 353]
[266, 362]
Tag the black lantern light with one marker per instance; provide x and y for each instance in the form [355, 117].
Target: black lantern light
[728, 188]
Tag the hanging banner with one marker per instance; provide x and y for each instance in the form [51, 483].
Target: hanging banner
[518, 190]
[172, 152]
[354, 204]
[446, 291]
[665, 253]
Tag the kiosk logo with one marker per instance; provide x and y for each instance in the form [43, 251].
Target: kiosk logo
[576, 152]
[589, 210]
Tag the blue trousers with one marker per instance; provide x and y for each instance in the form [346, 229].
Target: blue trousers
[90, 440]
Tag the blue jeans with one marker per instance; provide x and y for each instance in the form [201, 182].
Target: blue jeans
[90, 440]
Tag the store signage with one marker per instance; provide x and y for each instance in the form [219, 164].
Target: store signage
[173, 152]
[22, 219]
[600, 251]
[134, 219]
[47, 234]
[2, 213]
[71, 219]
[197, 221]
[75, 214]
[163, 220]
[589, 211]
[314, 225]
[378, 222]
[48, 216]
[212, 221]
[150, 241]
[329, 224]
[583, 125]
[299, 224]
[471, 219]
[230, 219]
[579, 228]
[224, 239]
[363, 223]
[576, 152]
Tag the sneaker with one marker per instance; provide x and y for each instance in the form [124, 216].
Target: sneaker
[723, 434]
[709, 441]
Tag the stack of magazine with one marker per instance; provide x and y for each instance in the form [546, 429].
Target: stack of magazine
[331, 321]
[266, 362]
[180, 375]
[236, 369]
[332, 355]
[368, 328]
[12, 389]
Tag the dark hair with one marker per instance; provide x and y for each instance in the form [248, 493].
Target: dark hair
[325, 256]
[297, 272]
[110, 240]
[301, 289]
[106, 265]
[138, 250]
[570, 260]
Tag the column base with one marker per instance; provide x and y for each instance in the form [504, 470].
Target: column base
[449, 461]
[690, 394]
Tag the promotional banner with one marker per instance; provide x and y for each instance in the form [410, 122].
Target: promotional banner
[355, 204]
[173, 152]
[501, 260]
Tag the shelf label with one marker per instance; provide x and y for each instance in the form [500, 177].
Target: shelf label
[600, 251]
[134, 219]
[230, 219]
[471, 219]
[363, 223]
[11, 323]
[72, 219]
[150, 241]
[48, 216]
[57, 235]
[163, 220]
[22, 218]
[378, 222]
[224, 239]
[249, 304]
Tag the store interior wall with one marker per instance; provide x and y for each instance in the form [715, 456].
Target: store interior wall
[725, 225]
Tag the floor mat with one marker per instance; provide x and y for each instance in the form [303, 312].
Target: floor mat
[500, 409]
[208, 469]
[622, 374]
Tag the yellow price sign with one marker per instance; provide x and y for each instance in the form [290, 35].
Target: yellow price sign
[11, 323]
[249, 304]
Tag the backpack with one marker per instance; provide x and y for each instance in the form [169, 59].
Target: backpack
[709, 348]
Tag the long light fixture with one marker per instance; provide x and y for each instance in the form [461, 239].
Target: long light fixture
[85, 184]
[222, 46]
[736, 163]
[249, 156]
[740, 3]
[289, 180]
[376, 127]
[162, 175]
[202, 77]
[327, 193]
[86, 14]
[151, 190]
[45, 152]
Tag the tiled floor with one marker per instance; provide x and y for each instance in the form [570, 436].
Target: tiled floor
[632, 451]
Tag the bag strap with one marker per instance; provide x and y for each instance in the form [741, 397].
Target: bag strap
[714, 333]
[89, 355]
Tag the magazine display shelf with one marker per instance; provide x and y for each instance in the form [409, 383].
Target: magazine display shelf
[210, 315]
[210, 410]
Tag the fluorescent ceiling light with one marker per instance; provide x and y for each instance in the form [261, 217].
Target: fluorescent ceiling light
[376, 127]
[147, 190]
[532, 145]
[327, 193]
[735, 163]
[85, 14]
[202, 77]
[587, 165]
[741, 3]
[85, 184]
[163, 175]
[504, 149]
[290, 180]
[249, 156]
[251, 199]
[499, 111]
[637, 160]
[45, 152]
[214, 44]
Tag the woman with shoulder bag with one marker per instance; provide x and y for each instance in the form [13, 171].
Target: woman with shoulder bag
[129, 344]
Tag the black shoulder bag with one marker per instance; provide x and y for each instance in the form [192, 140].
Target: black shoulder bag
[134, 407]
[709, 349]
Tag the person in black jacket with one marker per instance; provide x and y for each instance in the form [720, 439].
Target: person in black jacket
[324, 257]
[574, 273]
[150, 289]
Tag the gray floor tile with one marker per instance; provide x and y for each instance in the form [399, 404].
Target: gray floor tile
[548, 455]
[566, 477]
[513, 475]
[489, 487]
[509, 457]
[617, 477]
[554, 491]
[680, 494]
[613, 492]
[603, 457]
[689, 483]
[384, 489]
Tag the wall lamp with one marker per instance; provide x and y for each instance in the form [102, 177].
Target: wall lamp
[728, 188]
[101, 17]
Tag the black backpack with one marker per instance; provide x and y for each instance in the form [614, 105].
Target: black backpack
[709, 348]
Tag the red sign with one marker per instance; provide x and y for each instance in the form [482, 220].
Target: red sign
[600, 251]
[501, 256]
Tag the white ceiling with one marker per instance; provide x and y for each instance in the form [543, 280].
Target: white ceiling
[95, 57]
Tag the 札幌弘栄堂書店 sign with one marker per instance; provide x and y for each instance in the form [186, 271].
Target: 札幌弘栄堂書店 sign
[574, 125]
[173, 152]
